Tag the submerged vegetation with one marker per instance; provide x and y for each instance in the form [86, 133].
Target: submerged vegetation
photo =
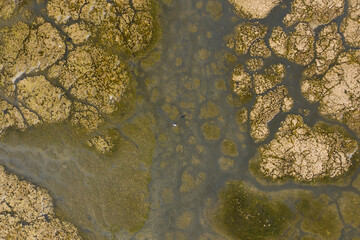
[246, 213]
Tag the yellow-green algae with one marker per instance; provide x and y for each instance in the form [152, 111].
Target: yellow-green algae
[272, 76]
[244, 212]
[349, 204]
[209, 110]
[106, 142]
[254, 64]
[119, 179]
[319, 216]
[327, 48]
[214, 8]
[241, 84]
[242, 115]
[350, 24]
[228, 148]
[244, 35]
[210, 131]
[248, 214]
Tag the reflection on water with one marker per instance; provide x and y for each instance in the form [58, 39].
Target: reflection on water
[185, 120]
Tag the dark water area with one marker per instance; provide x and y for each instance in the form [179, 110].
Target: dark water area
[185, 170]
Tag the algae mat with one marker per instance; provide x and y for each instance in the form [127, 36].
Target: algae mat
[196, 119]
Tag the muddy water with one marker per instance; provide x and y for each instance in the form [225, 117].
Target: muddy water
[185, 173]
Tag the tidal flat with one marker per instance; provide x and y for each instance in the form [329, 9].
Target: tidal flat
[179, 119]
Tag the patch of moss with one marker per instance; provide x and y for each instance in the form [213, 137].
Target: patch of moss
[247, 214]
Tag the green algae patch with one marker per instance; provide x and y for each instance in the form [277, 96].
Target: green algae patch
[226, 163]
[229, 148]
[248, 214]
[141, 132]
[349, 204]
[319, 217]
[150, 59]
[356, 182]
[210, 131]
[214, 8]
[209, 110]
[114, 186]
[120, 180]
[309, 238]
[106, 142]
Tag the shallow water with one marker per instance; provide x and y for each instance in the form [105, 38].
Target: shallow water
[55, 157]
